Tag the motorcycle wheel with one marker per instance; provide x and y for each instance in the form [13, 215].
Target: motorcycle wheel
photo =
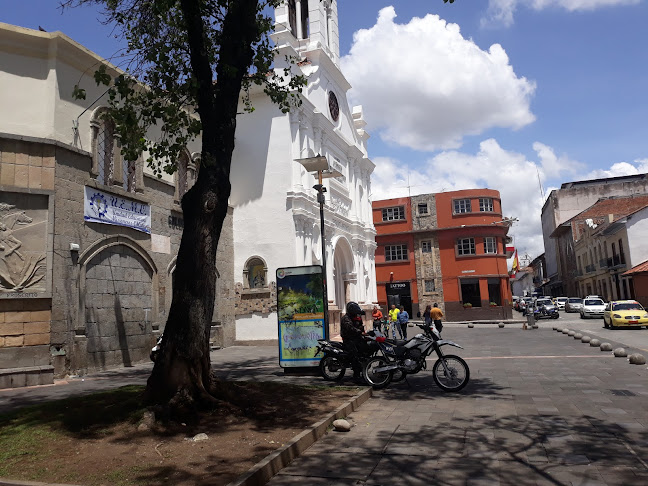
[459, 373]
[331, 368]
[377, 380]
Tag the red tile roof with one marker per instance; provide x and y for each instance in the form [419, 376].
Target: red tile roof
[641, 268]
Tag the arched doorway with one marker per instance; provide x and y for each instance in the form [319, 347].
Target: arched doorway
[343, 274]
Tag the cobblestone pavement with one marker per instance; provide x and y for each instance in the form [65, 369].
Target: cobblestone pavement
[541, 408]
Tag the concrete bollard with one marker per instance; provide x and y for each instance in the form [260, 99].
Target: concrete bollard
[571, 333]
[535, 326]
[606, 347]
[578, 335]
[565, 331]
[620, 353]
[595, 342]
[471, 325]
[586, 339]
[555, 328]
[501, 325]
[637, 359]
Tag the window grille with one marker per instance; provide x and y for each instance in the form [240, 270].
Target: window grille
[129, 175]
[430, 286]
[395, 252]
[486, 204]
[423, 208]
[105, 151]
[462, 206]
[490, 245]
[393, 214]
[466, 246]
[426, 246]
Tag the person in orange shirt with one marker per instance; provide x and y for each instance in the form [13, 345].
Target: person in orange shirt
[377, 317]
[436, 315]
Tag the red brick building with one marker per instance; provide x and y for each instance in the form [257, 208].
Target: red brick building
[447, 248]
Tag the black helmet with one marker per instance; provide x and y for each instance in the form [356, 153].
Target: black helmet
[353, 309]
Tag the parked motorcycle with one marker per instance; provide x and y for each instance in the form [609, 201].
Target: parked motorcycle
[336, 359]
[450, 372]
[546, 311]
[155, 350]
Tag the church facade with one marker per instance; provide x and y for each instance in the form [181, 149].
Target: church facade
[276, 216]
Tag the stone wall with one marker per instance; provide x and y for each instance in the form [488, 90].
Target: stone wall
[107, 301]
[428, 265]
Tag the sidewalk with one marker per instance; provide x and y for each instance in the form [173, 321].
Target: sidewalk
[541, 408]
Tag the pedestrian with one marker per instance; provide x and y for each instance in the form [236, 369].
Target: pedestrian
[352, 332]
[393, 319]
[436, 315]
[403, 319]
[377, 318]
[426, 316]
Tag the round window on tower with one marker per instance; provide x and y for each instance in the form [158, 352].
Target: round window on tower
[334, 108]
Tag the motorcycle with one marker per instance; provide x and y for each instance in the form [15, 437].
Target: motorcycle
[546, 312]
[450, 372]
[336, 359]
[155, 350]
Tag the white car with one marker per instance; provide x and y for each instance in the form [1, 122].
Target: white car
[592, 308]
[560, 302]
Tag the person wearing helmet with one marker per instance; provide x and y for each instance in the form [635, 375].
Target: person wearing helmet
[352, 330]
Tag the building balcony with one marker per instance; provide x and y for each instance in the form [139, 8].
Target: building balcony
[590, 268]
[603, 263]
[616, 262]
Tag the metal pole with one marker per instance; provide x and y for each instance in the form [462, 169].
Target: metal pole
[320, 199]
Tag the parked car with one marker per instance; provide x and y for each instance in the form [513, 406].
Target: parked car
[560, 302]
[624, 313]
[592, 308]
[574, 304]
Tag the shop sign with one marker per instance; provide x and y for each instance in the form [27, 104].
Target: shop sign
[396, 286]
[300, 314]
[103, 207]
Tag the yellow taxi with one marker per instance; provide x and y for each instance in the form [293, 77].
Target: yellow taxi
[626, 313]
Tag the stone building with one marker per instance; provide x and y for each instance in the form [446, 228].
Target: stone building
[276, 213]
[565, 203]
[87, 239]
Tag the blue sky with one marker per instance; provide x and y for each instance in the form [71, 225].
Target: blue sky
[495, 93]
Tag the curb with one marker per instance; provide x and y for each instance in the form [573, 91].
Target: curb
[10, 482]
[262, 471]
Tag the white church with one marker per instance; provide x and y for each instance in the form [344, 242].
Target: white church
[276, 216]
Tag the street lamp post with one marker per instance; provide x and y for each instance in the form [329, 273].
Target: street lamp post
[319, 164]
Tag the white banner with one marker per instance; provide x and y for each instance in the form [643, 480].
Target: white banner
[103, 207]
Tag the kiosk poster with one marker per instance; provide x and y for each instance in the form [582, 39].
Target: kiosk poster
[300, 311]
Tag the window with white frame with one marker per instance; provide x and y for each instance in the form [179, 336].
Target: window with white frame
[422, 208]
[426, 246]
[395, 253]
[393, 214]
[490, 244]
[466, 246]
[430, 286]
[486, 204]
[462, 206]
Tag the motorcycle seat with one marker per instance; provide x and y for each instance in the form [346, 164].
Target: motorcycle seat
[397, 342]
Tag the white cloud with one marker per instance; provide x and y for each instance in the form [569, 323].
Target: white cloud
[493, 167]
[639, 166]
[424, 86]
[501, 11]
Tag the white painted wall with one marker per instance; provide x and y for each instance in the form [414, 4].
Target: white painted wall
[637, 230]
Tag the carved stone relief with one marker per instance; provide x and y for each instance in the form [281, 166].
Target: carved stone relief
[23, 242]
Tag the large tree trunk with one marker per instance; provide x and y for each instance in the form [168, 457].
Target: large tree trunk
[182, 374]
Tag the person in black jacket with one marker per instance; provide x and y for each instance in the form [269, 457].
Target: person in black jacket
[352, 331]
